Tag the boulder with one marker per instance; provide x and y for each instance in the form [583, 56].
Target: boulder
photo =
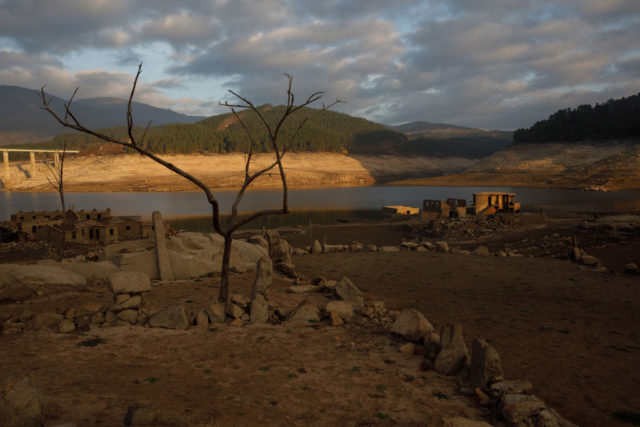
[22, 405]
[36, 275]
[589, 261]
[202, 319]
[430, 246]
[305, 315]
[480, 251]
[453, 354]
[132, 302]
[129, 282]
[234, 310]
[442, 246]
[388, 249]
[280, 251]
[299, 251]
[47, 320]
[257, 239]
[342, 309]
[350, 293]
[332, 248]
[65, 326]
[259, 311]
[485, 365]
[631, 268]
[92, 271]
[239, 300]
[173, 317]
[145, 262]
[129, 316]
[511, 387]
[288, 269]
[409, 245]
[371, 248]
[411, 325]
[516, 408]
[216, 312]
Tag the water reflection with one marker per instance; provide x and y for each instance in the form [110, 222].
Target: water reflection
[356, 198]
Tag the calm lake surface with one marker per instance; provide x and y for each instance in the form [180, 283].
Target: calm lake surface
[324, 205]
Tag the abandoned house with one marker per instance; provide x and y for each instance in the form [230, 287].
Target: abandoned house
[433, 209]
[489, 203]
[400, 210]
[80, 226]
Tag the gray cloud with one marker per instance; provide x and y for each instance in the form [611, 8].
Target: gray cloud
[495, 63]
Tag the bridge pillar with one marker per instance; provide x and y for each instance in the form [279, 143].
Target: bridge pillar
[5, 161]
[56, 160]
[32, 157]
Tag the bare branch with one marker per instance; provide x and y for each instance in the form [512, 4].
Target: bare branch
[129, 116]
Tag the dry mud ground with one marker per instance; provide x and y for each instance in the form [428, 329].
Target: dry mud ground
[253, 375]
[574, 333]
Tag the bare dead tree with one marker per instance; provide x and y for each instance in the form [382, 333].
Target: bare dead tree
[56, 175]
[273, 131]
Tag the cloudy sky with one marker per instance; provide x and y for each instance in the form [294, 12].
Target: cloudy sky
[499, 64]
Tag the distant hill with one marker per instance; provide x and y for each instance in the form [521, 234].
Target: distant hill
[452, 140]
[615, 119]
[328, 132]
[22, 119]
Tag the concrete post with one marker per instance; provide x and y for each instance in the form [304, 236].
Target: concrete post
[165, 271]
[32, 157]
[5, 160]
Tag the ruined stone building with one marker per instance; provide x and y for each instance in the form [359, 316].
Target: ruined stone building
[80, 226]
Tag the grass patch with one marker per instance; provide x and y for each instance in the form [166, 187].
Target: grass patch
[151, 379]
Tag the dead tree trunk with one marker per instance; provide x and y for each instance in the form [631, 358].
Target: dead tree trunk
[56, 181]
[278, 146]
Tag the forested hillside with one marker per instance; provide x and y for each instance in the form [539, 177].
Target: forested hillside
[615, 119]
[326, 132]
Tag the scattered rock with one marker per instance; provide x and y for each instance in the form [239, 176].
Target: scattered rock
[371, 248]
[485, 365]
[442, 246]
[129, 282]
[430, 246]
[216, 312]
[132, 302]
[66, 325]
[511, 387]
[259, 240]
[389, 249]
[589, 261]
[356, 247]
[411, 325]
[407, 348]
[287, 269]
[348, 292]
[260, 312]
[342, 309]
[239, 300]
[143, 416]
[453, 354]
[631, 268]
[431, 342]
[480, 251]
[129, 316]
[45, 321]
[516, 408]
[202, 319]
[173, 317]
[316, 248]
[233, 310]
[305, 315]
[336, 320]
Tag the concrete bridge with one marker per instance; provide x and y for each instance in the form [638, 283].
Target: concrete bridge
[32, 158]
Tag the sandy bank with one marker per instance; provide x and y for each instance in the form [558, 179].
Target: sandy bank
[136, 173]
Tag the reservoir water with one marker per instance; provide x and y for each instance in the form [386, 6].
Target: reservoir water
[319, 205]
